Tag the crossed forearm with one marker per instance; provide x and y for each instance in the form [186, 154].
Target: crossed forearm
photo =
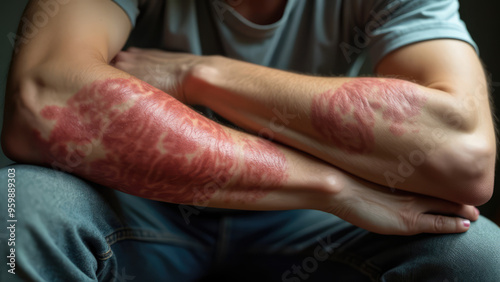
[388, 131]
[123, 133]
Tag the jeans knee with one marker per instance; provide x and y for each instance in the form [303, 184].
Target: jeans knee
[470, 256]
[45, 195]
[481, 245]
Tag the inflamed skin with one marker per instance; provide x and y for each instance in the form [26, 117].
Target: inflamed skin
[347, 116]
[135, 138]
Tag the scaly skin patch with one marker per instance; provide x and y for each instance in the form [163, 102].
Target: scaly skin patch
[148, 144]
[346, 117]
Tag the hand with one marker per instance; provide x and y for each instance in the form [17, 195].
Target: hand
[387, 211]
[167, 71]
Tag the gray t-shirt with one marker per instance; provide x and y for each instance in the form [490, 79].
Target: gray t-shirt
[320, 37]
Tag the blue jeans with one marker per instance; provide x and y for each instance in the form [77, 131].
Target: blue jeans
[68, 229]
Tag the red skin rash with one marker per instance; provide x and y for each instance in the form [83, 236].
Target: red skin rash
[346, 117]
[258, 161]
[155, 147]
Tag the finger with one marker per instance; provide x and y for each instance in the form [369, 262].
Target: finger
[443, 207]
[159, 53]
[465, 211]
[124, 66]
[133, 49]
[122, 56]
[429, 223]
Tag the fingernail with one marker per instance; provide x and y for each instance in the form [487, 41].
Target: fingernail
[466, 222]
[477, 211]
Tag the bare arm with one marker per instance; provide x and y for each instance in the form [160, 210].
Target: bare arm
[433, 136]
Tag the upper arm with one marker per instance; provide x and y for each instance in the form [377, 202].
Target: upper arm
[54, 58]
[79, 29]
[444, 64]
[450, 66]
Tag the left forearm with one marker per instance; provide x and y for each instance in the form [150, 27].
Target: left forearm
[389, 131]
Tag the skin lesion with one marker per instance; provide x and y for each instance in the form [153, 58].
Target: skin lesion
[347, 117]
[142, 141]
[264, 165]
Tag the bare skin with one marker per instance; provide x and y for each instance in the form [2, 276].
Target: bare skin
[50, 81]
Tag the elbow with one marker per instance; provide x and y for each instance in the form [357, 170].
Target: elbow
[464, 163]
[32, 102]
[20, 119]
[479, 168]
[467, 169]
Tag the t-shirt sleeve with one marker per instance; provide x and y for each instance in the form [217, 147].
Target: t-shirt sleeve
[403, 22]
[130, 7]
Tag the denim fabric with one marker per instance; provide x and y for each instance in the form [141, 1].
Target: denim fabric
[72, 230]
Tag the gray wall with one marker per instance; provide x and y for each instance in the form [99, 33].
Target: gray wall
[10, 13]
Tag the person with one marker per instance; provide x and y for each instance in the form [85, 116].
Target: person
[235, 142]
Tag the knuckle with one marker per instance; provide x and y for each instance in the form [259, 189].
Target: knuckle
[409, 219]
[342, 211]
[439, 223]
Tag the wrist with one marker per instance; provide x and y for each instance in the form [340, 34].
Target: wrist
[330, 189]
[317, 183]
[200, 80]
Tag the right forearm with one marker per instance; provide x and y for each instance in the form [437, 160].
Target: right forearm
[123, 133]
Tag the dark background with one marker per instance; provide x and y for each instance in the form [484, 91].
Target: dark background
[482, 19]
